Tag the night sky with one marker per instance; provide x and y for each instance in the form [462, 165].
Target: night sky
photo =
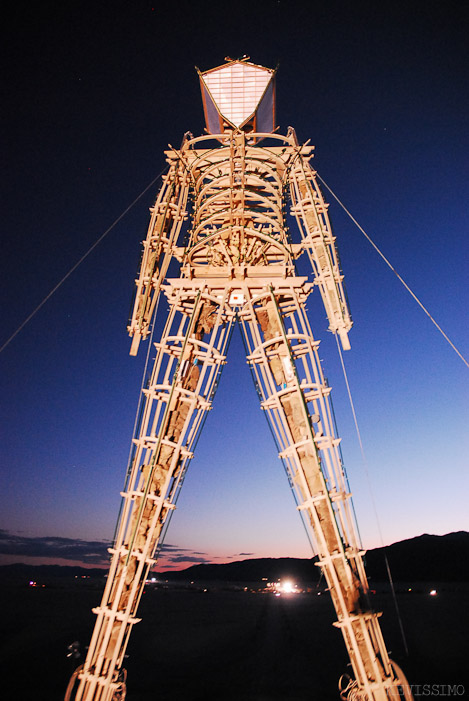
[93, 93]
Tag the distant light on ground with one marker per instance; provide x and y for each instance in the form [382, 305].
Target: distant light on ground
[433, 592]
[285, 586]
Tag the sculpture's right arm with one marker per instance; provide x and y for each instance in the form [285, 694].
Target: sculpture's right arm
[166, 220]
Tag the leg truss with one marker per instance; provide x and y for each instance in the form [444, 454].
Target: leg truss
[180, 392]
[287, 370]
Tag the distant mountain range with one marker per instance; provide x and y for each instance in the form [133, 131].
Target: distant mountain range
[425, 558]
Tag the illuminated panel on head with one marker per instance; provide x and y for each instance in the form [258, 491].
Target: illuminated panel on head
[237, 93]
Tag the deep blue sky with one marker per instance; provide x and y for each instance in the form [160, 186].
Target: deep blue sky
[94, 93]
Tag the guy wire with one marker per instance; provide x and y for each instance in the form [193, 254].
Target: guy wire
[380, 253]
[370, 488]
[79, 262]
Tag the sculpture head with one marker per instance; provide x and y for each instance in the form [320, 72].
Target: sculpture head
[238, 95]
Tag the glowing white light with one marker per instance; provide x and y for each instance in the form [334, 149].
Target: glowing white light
[433, 592]
[237, 89]
[288, 587]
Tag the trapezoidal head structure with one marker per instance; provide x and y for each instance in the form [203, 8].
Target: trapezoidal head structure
[238, 95]
[222, 215]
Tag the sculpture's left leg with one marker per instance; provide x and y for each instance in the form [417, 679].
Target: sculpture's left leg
[284, 358]
[189, 357]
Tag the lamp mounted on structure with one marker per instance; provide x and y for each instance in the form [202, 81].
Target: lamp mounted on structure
[238, 95]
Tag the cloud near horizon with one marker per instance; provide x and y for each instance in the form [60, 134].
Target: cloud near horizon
[190, 558]
[230, 557]
[87, 551]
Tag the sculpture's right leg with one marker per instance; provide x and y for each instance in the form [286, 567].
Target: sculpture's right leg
[189, 358]
[295, 394]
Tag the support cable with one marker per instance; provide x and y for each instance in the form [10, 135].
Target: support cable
[380, 253]
[80, 261]
[370, 488]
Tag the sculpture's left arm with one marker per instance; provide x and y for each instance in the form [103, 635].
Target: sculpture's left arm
[317, 240]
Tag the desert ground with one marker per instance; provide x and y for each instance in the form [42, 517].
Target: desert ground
[225, 644]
